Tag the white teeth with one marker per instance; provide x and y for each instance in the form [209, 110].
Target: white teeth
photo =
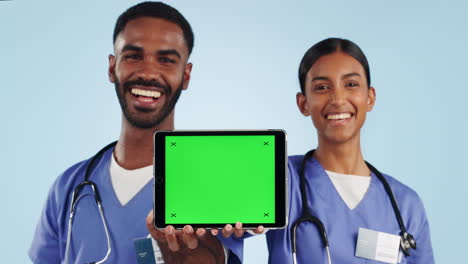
[338, 116]
[146, 93]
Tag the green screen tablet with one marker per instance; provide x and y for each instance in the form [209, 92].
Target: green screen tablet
[214, 178]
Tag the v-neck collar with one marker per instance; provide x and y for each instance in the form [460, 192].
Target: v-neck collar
[322, 185]
[103, 167]
[138, 178]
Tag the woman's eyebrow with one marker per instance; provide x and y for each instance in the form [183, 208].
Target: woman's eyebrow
[319, 78]
[350, 75]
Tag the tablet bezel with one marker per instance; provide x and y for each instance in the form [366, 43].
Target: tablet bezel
[280, 176]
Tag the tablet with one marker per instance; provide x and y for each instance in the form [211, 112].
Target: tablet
[214, 178]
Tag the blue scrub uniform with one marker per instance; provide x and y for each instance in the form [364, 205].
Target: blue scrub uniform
[88, 242]
[342, 224]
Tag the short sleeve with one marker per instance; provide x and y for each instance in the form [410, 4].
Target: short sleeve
[45, 248]
[423, 253]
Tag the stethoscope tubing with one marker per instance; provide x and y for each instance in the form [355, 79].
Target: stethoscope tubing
[407, 241]
[76, 197]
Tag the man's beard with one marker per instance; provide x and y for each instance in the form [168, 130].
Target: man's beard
[135, 118]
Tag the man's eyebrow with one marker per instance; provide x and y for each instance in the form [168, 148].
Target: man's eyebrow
[130, 47]
[319, 78]
[350, 75]
[169, 52]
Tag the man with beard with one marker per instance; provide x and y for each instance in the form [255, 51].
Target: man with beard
[150, 68]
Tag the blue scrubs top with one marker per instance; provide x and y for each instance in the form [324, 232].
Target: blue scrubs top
[342, 224]
[88, 243]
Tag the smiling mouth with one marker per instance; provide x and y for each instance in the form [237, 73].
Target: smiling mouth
[338, 116]
[145, 93]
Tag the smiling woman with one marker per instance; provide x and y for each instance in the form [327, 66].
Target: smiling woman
[337, 96]
[338, 200]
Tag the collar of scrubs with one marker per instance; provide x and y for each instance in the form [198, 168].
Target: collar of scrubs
[352, 188]
[323, 186]
[127, 183]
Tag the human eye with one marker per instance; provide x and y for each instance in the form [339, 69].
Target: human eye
[352, 84]
[132, 56]
[167, 60]
[321, 87]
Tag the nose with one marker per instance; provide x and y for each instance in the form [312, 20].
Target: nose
[148, 70]
[337, 96]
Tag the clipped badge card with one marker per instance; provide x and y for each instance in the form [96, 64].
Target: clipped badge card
[378, 246]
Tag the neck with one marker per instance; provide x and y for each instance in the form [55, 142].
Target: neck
[345, 158]
[135, 146]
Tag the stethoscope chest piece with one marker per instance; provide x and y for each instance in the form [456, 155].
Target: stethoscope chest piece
[407, 242]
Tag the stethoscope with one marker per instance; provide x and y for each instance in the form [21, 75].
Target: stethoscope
[97, 198]
[407, 241]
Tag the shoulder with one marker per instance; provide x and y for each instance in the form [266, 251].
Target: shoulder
[294, 162]
[70, 176]
[401, 190]
[64, 184]
[410, 204]
[294, 166]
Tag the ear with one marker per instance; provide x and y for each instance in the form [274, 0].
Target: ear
[302, 104]
[370, 98]
[111, 71]
[187, 72]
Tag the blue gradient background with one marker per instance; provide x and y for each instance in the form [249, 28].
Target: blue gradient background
[58, 106]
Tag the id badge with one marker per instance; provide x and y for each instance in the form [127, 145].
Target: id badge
[378, 246]
[147, 251]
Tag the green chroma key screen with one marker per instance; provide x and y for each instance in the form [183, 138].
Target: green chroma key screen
[220, 179]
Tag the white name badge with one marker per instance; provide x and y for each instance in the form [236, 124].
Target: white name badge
[378, 246]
